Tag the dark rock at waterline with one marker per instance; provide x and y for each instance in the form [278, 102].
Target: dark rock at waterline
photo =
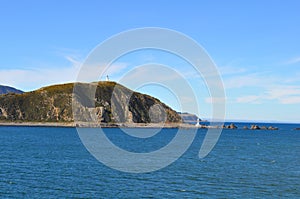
[232, 126]
[263, 128]
[254, 127]
[272, 128]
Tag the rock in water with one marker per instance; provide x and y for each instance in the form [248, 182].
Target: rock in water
[272, 128]
[263, 128]
[254, 127]
[232, 126]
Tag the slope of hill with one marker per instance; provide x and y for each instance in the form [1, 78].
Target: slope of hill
[111, 103]
[188, 117]
[8, 89]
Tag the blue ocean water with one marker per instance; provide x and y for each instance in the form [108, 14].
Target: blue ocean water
[43, 162]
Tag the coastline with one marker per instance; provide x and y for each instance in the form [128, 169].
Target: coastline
[132, 125]
[37, 124]
[93, 125]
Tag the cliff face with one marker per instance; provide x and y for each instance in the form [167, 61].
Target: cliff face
[109, 102]
[8, 89]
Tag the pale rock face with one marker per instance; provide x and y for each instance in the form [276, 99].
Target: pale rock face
[3, 112]
[157, 114]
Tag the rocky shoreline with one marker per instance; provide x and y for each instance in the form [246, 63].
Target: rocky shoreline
[132, 125]
[94, 125]
[256, 127]
[37, 124]
[233, 126]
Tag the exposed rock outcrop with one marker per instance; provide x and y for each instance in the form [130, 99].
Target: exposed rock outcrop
[272, 128]
[254, 127]
[263, 128]
[232, 126]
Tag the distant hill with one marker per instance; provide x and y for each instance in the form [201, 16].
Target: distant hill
[54, 104]
[188, 117]
[8, 89]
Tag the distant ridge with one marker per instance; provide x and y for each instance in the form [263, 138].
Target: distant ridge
[188, 117]
[8, 89]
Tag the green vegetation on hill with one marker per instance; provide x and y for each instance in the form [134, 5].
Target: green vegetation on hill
[105, 102]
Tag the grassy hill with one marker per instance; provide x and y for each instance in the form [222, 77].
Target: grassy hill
[107, 102]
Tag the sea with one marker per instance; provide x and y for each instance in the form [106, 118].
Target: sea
[52, 162]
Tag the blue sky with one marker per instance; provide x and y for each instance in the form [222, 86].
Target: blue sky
[255, 44]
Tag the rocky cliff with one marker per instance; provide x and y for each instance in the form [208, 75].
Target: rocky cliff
[109, 103]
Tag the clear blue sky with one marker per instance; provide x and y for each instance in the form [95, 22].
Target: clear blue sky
[255, 44]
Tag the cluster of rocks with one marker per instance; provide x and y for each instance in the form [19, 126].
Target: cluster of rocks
[256, 127]
[231, 126]
[253, 127]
